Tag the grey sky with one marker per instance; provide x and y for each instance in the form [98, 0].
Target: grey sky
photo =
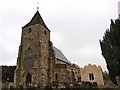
[76, 27]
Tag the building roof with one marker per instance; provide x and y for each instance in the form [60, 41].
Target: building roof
[37, 19]
[60, 55]
[77, 66]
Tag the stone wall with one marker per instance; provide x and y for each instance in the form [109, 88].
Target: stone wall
[67, 73]
[33, 56]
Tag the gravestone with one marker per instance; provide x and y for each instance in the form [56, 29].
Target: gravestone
[118, 81]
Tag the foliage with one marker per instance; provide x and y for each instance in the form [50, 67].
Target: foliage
[106, 76]
[110, 47]
[8, 73]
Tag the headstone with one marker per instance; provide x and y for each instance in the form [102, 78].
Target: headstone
[118, 81]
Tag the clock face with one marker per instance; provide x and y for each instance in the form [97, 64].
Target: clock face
[28, 63]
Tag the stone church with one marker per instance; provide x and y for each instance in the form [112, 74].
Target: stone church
[38, 61]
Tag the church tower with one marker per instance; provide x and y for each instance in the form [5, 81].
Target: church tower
[33, 62]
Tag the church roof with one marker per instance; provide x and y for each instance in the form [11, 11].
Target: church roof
[37, 19]
[60, 55]
[77, 66]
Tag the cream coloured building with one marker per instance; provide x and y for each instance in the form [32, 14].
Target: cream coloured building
[92, 73]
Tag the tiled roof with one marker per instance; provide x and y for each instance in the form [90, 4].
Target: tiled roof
[60, 55]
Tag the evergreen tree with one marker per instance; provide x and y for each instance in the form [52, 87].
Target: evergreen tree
[110, 47]
[8, 73]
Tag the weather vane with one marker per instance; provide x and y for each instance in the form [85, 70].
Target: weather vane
[37, 5]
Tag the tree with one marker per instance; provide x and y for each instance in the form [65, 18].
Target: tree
[106, 76]
[110, 47]
[8, 73]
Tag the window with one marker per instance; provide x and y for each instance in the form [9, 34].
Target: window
[79, 79]
[56, 76]
[28, 59]
[91, 76]
[45, 32]
[28, 52]
[30, 30]
[73, 76]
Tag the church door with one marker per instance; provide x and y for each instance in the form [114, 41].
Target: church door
[28, 79]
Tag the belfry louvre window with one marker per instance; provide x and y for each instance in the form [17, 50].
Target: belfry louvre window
[30, 30]
[45, 32]
[91, 76]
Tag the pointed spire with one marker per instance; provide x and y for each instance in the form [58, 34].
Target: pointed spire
[37, 19]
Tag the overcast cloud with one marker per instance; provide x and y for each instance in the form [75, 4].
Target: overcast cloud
[76, 27]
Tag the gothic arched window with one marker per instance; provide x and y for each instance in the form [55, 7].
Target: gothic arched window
[28, 52]
[28, 59]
